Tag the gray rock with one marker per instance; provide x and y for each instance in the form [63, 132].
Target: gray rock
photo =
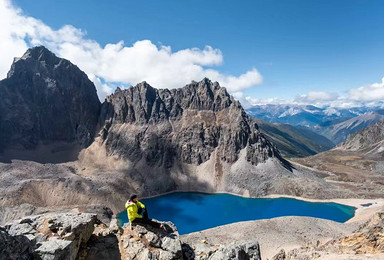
[21, 229]
[49, 236]
[100, 248]
[188, 253]
[14, 247]
[171, 244]
[242, 250]
[153, 239]
[114, 227]
[145, 242]
[215, 120]
[55, 102]
[55, 249]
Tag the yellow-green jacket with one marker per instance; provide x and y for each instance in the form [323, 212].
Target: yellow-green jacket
[132, 209]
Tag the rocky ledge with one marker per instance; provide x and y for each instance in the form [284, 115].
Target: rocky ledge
[47, 236]
[83, 236]
[365, 242]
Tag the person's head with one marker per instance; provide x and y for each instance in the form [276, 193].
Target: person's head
[133, 197]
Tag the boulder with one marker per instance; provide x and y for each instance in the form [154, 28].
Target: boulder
[48, 236]
[14, 247]
[146, 242]
[241, 250]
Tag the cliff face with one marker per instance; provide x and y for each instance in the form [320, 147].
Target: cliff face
[46, 99]
[186, 124]
[370, 139]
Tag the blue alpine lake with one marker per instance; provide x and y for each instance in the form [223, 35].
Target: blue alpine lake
[193, 211]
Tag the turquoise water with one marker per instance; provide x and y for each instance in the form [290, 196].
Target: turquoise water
[192, 211]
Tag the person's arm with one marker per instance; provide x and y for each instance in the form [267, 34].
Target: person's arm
[141, 205]
[132, 212]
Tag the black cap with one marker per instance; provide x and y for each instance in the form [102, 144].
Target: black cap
[132, 197]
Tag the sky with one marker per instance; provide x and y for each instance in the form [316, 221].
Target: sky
[320, 52]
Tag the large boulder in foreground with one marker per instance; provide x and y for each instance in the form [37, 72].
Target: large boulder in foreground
[145, 242]
[82, 236]
[48, 236]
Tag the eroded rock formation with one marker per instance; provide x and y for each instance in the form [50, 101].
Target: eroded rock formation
[46, 99]
[187, 125]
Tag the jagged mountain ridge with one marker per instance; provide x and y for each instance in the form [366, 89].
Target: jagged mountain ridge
[45, 99]
[185, 124]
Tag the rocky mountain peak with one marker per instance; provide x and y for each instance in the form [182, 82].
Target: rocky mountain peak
[204, 95]
[185, 124]
[55, 102]
[41, 61]
[40, 53]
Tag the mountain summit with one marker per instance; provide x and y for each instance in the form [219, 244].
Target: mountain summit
[46, 99]
[185, 124]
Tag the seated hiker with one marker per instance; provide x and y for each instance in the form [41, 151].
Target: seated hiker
[135, 208]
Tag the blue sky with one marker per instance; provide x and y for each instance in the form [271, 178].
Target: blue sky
[296, 46]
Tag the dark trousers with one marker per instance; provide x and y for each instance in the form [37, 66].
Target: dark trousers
[145, 219]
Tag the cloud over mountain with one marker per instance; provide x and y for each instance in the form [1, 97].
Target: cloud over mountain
[368, 95]
[115, 62]
[370, 92]
[314, 96]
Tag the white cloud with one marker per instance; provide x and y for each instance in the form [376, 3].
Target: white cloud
[318, 99]
[115, 62]
[316, 96]
[370, 92]
[103, 89]
[267, 101]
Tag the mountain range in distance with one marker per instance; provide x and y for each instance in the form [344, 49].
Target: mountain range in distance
[336, 124]
[294, 141]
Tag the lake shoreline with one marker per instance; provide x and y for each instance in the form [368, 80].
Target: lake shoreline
[360, 212]
[289, 232]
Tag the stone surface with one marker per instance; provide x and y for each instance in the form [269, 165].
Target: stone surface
[55, 249]
[365, 242]
[45, 99]
[368, 238]
[162, 126]
[146, 242]
[49, 236]
[14, 247]
[242, 250]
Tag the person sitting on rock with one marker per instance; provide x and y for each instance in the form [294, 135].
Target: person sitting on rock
[135, 208]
